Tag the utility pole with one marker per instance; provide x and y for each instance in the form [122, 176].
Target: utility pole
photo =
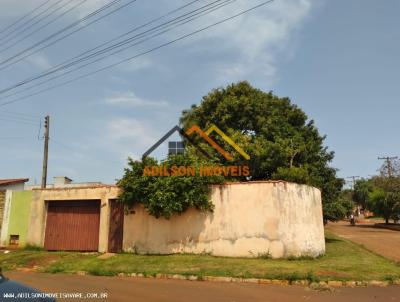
[388, 163]
[353, 181]
[46, 150]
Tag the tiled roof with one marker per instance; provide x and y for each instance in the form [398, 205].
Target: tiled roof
[5, 182]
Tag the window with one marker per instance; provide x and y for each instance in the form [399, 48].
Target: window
[14, 240]
[175, 148]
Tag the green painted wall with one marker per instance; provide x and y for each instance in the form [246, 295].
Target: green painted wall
[19, 215]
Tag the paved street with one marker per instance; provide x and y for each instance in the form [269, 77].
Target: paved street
[121, 289]
[381, 241]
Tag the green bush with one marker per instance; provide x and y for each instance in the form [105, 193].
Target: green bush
[164, 196]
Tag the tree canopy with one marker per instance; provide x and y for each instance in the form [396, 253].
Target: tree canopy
[165, 196]
[384, 198]
[282, 141]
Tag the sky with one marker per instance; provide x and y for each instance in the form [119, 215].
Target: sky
[337, 60]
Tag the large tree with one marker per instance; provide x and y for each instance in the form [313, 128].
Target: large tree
[282, 141]
[362, 189]
[384, 199]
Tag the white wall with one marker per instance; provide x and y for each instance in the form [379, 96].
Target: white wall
[6, 219]
[14, 187]
[279, 219]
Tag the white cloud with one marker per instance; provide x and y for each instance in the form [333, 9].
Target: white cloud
[130, 137]
[39, 61]
[13, 8]
[90, 6]
[130, 99]
[251, 43]
[138, 64]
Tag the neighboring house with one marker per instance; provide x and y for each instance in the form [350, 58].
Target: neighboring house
[63, 182]
[15, 184]
[17, 208]
[6, 188]
[16, 219]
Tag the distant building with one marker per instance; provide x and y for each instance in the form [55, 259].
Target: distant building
[15, 204]
[6, 187]
[64, 182]
[16, 184]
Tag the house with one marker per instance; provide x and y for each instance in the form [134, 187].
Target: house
[249, 219]
[63, 182]
[17, 205]
[277, 218]
[6, 187]
[15, 184]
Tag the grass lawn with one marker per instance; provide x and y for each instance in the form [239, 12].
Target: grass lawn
[343, 261]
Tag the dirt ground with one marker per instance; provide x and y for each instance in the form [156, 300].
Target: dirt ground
[121, 289]
[381, 241]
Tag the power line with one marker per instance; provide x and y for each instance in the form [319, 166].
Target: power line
[26, 119]
[45, 25]
[15, 138]
[19, 114]
[63, 145]
[31, 19]
[18, 121]
[24, 16]
[84, 26]
[104, 7]
[140, 54]
[178, 21]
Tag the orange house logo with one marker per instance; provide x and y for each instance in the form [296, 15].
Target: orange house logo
[206, 170]
[206, 137]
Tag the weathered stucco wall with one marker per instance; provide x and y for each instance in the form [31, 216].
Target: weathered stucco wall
[250, 219]
[4, 240]
[2, 206]
[38, 210]
[279, 219]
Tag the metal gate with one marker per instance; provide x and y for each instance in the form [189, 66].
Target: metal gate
[73, 225]
[116, 232]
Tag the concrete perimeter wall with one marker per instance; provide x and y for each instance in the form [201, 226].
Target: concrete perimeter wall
[251, 219]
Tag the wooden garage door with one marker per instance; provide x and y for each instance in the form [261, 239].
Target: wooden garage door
[73, 225]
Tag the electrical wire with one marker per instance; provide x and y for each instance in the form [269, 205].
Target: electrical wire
[15, 138]
[88, 24]
[17, 118]
[45, 25]
[33, 18]
[24, 16]
[18, 121]
[19, 114]
[187, 17]
[62, 145]
[104, 7]
[140, 54]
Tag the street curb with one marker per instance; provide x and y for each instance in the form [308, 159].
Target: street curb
[305, 283]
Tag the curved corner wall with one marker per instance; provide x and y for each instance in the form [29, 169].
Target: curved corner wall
[276, 219]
